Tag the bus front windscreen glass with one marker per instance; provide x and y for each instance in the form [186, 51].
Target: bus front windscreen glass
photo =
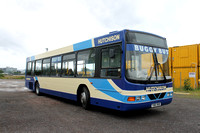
[145, 63]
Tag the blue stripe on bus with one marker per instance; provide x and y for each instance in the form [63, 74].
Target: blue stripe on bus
[32, 58]
[104, 86]
[59, 94]
[36, 78]
[82, 45]
[125, 85]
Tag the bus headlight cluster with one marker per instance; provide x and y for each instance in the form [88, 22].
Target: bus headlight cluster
[143, 97]
[140, 98]
[137, 98]
[170, 94]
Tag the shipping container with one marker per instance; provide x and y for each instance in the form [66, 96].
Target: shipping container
[199, 54]
[170, 61]
[181, 74]
[185, 56]
[199, 76]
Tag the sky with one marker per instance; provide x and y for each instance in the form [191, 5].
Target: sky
[28, 27]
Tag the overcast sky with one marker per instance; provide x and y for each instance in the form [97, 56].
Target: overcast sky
[27, 27]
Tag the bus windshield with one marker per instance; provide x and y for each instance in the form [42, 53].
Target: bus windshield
[146, 39]
[144, 63]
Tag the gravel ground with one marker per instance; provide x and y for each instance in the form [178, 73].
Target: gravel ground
[22, 111]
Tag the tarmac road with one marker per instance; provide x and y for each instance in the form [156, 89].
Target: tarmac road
[22, 111]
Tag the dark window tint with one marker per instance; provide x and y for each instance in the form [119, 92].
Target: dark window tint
[86, 63]
[38, 67]
[33, 68]
[28, 71]
[144, 38]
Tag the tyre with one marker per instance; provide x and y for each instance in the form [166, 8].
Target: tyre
[37, 89]
[85, 98]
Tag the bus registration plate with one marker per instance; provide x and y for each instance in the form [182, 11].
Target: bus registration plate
[155, 105]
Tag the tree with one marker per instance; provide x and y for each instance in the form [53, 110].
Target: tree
[1, 71]
[187, 84]
[1, 74]
[17, 73]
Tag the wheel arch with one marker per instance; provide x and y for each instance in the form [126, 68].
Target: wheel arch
[36, 82]
[80, 89]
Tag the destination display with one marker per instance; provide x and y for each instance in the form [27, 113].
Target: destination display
[147, 49]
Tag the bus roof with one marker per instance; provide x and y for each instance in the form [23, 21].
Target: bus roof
[112, 37]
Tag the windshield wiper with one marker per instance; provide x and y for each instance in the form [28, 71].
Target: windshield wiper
[162, 71]
[156, 68]
[151, 73]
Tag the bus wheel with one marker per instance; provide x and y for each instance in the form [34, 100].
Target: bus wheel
[37, 89]
[85, 98]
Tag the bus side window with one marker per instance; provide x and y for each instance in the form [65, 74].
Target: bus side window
[86, 63]
[46, 67]
[56, 66]
[69, 62]
[111, 62]
[38, 67]
[28, 70]
[33, 68]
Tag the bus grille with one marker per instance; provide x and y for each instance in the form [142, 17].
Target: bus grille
[156, 96]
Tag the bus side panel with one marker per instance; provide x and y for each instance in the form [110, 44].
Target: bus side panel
[67, 88]
[30, 83]
[59, 94]
[103, 92]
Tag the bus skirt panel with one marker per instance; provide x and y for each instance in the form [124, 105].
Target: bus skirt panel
[128, 107]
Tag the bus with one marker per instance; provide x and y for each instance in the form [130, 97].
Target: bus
[123, 70]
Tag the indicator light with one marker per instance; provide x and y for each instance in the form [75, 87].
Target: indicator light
[131, 99]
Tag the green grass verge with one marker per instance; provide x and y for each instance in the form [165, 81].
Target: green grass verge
[13, 77]
[194, 93]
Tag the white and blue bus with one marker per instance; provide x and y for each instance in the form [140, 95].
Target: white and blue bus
[123, 70]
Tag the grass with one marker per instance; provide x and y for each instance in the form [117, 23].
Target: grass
[13, 77]
[194, 93]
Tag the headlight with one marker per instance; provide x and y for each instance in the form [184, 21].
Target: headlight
[143, 97]
[138, 98]
[168, 94]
